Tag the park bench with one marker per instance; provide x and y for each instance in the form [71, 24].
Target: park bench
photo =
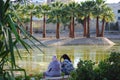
[56, 78]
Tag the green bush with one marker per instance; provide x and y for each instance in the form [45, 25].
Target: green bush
[109, 69]
[18, 78]
[84, 71]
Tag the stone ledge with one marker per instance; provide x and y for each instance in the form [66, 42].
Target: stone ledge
[56, 78]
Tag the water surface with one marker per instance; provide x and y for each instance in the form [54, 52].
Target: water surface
[37, 62]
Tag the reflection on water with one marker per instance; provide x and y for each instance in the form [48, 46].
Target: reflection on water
[37, 62]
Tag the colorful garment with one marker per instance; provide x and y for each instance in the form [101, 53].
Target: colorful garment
[67, 67]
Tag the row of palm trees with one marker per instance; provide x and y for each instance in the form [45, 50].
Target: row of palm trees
[60, 13]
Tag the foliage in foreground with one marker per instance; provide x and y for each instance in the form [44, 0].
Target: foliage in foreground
[109, 69]
[29, 77]
[10, 24]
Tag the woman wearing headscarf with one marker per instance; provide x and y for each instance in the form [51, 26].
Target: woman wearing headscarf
[54, 68]
[66, 65]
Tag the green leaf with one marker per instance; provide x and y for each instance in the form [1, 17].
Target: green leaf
[13, 27]
[11, 49]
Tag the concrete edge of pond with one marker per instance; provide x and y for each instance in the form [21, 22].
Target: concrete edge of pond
[78, 41]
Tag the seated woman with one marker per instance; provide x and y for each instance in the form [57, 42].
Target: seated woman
[54, 68]
[66, 65]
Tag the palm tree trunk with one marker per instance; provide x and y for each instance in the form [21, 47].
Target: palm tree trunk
[70, 28]
[85, 29]
[103, 28]
[88, 27]
[44, 27]
[73, 28]
[97, 26]
[57, 31]
[31, 29]
[26, 28]
[18, 30]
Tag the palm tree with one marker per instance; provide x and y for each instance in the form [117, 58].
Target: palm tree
[55, 16]
[88, 8]
[20, 10]
[106, 16]
[98, 10]
[31, 11]
[65, 18]
[71, 10]
[44, 9]
[81, 17]
[17, 8]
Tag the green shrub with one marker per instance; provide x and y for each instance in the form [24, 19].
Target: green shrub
[18, 78]
[110, 67]
[84, 71]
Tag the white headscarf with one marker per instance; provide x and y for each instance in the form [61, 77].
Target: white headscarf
[54, 58]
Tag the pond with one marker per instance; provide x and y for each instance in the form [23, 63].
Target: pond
[37, 62]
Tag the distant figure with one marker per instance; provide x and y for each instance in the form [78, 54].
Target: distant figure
[66, 65]
[54, 68]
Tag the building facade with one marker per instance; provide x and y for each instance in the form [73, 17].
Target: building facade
[116, 9]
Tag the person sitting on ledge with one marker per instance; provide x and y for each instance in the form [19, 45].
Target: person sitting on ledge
[66, 65]
[54, 68]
